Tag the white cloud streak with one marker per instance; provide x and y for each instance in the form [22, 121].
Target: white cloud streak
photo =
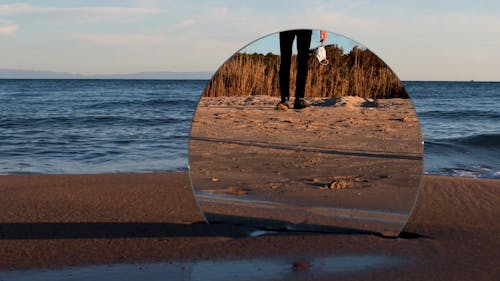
[184, 23]
[83, 13]
[8, 28]
[120, 39]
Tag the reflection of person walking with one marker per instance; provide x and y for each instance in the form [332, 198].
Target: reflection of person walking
[303, 45]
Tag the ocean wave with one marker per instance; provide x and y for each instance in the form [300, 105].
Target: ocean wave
[460, 114]
[489, 141]
[475, 173]
[484, 140]
[97, 120]
[150, 103]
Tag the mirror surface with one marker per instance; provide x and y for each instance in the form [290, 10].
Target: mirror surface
[350, 161]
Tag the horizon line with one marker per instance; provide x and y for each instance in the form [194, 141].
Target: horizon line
[123, 76]
[139, 78]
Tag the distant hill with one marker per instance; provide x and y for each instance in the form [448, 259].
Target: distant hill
[46, 74]
[36, 74]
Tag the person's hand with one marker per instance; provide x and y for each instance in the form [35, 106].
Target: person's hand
[322, 37]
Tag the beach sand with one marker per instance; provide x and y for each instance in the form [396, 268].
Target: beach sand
[53, 221]
[148, 226]
[339, 155]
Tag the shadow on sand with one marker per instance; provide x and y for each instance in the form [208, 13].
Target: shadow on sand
[240, 227]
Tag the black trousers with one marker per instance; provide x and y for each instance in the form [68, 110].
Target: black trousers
[303, 45]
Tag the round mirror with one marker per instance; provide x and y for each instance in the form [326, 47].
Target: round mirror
[306, 130]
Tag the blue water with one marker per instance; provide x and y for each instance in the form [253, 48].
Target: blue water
[95, 126]
[102, 126]
[460, 123]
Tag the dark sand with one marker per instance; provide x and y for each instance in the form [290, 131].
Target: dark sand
[49, 221]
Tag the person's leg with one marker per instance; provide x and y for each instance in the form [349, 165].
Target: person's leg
[303, 45]
[286, 42]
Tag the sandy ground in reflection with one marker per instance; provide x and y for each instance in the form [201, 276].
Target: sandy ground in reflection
[344, 153]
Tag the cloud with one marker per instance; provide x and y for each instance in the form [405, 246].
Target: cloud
[84, 13]
[8, 28]
[120, 39]
[162, 50]
[148, 41]
[220, 12]
[184, 23]
[465, 22]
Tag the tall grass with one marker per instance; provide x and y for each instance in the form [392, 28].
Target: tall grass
[358, 73]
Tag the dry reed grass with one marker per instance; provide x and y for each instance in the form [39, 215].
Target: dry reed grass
[358, 73]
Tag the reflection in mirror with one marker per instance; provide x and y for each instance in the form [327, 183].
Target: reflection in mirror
[282, 139]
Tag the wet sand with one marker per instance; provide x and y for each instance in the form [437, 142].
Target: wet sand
[55, 221]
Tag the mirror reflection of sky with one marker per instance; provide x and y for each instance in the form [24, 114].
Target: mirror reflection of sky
[270, 43]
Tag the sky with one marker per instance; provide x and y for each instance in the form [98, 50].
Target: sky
[270, 43]
[419, 40]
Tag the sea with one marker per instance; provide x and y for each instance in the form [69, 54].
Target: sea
[460, 125]
[109, 126]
